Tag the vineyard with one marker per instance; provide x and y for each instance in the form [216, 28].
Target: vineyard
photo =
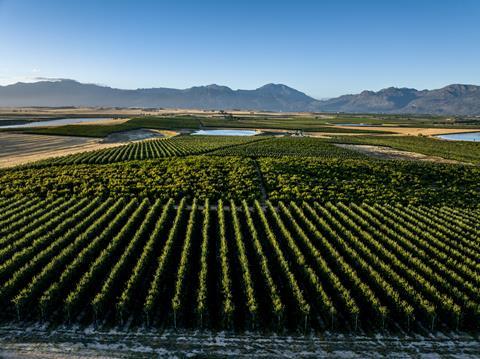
[151, 149]
[239, 265]
[358, 180]
[462, 151]
[288, 146]
[261, 146]
[334, 178]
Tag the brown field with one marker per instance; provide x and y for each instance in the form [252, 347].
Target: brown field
[409, 131]
[17, 149]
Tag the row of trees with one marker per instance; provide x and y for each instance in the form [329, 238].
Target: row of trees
[284, 265]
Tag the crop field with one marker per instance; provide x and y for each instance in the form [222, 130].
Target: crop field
[194, 245]
[192, 176]
[288, 178]
[462, 151]
[287, 168]
[288, 146]
[197, 122]
[19, 149]
[360, 180]
[320, 123]
[180, 146]
[151, 149]
[239, 265]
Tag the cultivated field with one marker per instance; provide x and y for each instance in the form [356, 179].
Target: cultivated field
[267, 239]
[17, 149]
[384, 152]
[240, 168]
[239, 265]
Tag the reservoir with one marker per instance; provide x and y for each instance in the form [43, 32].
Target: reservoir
[468, 136]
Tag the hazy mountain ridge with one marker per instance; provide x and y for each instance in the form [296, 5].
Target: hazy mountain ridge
[72, 93]
[450, 100]
[453, 99]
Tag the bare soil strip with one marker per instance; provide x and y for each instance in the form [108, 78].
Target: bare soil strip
[33, 343]
[389, 153]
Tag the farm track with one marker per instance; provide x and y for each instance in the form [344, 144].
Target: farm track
[83, 343]
[261, 181]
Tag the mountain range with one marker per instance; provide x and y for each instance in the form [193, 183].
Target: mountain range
[454, 99]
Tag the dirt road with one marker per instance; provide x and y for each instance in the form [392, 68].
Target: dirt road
[87, 343]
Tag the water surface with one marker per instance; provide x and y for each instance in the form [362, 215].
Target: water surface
[468, 136]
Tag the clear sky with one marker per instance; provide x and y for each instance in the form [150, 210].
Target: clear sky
[324, 48]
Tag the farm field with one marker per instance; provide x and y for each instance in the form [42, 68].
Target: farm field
[407, 130]
[234, 238]
[462, 151]
[236, 179]
[18, 149]
[152, 149]
[286, 122]
[239, 265]
[240, 168]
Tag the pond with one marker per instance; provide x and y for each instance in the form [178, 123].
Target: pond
[55, 122]
[468, 136]
[226, 132]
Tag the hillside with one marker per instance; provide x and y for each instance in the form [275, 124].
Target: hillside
[450, 100]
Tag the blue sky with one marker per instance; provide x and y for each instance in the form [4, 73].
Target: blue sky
[324, 48]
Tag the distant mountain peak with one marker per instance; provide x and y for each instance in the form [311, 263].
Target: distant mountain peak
[218, 87]
[455, 99]
[273, 97]
[272, 86]
[283, 90]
